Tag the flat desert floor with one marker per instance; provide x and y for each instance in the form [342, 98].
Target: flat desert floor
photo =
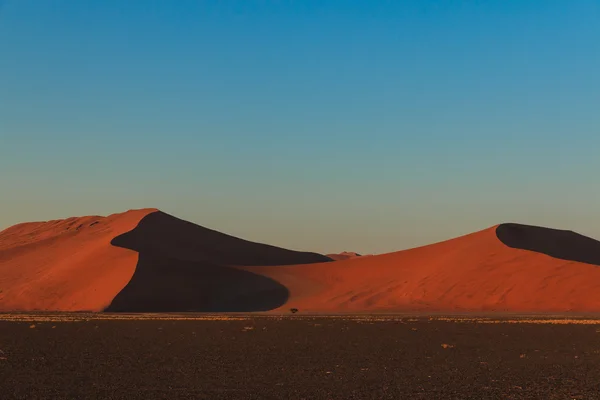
[187, 356]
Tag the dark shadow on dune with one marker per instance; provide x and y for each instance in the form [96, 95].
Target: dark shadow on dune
[565, 245]
[186, 267]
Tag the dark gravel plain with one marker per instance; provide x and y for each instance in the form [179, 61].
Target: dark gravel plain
[297, 358]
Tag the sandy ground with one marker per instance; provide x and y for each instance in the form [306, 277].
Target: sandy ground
[306, 357]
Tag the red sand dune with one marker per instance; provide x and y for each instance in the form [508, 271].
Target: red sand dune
[146, 260]
[476, 272]
[141, 260]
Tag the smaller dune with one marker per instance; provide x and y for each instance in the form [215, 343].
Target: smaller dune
[506, 268]
[343, 255]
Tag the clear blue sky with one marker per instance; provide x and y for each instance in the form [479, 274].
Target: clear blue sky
[367, 126]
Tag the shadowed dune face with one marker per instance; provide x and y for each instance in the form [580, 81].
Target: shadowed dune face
[185, 267]
[564, 245]
[162, 284]
[162, 233]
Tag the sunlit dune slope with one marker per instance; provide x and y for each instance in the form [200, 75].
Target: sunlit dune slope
[66, 264]
[503, 268]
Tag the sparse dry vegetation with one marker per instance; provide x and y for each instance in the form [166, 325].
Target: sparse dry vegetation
[77, 317]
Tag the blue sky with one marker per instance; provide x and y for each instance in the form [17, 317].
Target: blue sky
[366, 126]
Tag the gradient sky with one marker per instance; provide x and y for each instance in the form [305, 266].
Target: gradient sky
[366, 126]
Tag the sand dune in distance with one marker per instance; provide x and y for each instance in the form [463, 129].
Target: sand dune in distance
[149, 261]
[343, 255]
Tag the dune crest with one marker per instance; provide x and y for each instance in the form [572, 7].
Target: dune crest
[565, 245]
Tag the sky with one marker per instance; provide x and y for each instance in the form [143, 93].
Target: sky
[368, 126]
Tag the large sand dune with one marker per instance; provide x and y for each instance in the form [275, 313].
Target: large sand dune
[141, 260]
[149, 261]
